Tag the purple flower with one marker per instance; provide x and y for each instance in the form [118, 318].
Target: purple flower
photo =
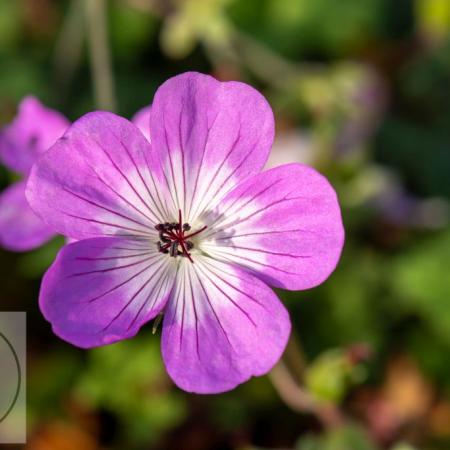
[187, 226]
[32, 132]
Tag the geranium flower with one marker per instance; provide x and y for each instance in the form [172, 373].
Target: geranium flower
[33, 131]
[186, 226]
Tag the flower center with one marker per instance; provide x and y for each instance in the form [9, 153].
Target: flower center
[174, 238]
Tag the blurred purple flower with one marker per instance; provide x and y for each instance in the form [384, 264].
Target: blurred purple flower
[366, 105]
[33, 131]
[400, 208]
[186, 225]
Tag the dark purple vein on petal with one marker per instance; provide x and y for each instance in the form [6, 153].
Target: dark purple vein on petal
[112, 257]
[265, 208]
[234, 287]
[169, 152]
[100, 222]
[117, 193]
[162, 204]
[127, 180]
[231, 258]
[133, 297]
[231, 174]
[224, 183]
[183, 296]
[136, 238]
[110, 269]
[229, 207]
[268, 252]
[164, 278]
[183, 169]
[213, 178]
[195, 312]
[265, 233]
[123, 283]
[174, 200]
[200, 167]
[139, 249]
[213, 310]
[243, 311]
[161, 217]
[91, 202]
[237, 199]
[172, 296]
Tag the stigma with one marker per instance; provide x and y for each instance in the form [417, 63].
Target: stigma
[174, 238]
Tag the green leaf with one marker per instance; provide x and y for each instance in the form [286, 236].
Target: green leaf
[330, 376]
[128, 379]
[420, 280]
[326, 377]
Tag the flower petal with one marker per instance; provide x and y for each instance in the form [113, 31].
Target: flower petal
[210, 136]
[284, 225]
[32, 132]
[20, 228]
[142, 120]
[102, 290]
[96, 181]
[221, 326]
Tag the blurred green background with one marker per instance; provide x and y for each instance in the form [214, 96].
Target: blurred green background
[361, 91]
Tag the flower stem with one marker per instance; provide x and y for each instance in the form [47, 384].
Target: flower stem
[275, 70]
[100, 57]
[287, 385]
[68, 47]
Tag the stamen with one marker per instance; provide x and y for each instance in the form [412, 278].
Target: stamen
[172, 237]
[174, 249]
[156, 322]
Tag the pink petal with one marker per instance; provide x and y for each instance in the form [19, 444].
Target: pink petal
[284, 225]
[103, 290]
[142, 120]
[96, 181]
[32, 132]
[221, 326]
[20, 228]
[210, 136]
